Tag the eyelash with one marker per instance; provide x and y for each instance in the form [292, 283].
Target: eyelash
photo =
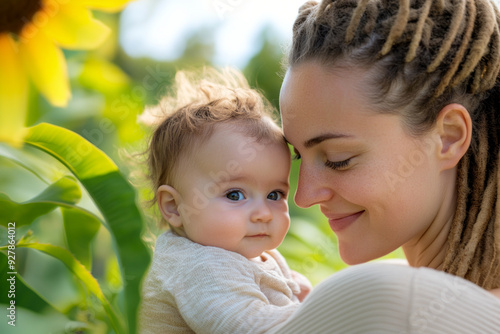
[234, 191]
[338, 165]
[281, 192]
[335, 165]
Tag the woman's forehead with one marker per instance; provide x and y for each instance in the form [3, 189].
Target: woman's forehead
[333, 109]
[311, 96]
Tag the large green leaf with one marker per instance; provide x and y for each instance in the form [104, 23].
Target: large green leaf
[65, 191]
[80, 228]
[37, 162]
[81, 273]
[112, 194]
[25, 296]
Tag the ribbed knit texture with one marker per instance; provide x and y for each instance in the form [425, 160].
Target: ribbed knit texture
[391, 298]
[194, 288]
[215, 291]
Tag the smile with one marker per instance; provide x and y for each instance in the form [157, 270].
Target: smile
[342, 221]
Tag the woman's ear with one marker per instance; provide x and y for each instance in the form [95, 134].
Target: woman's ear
[454, 127]
[168, 203]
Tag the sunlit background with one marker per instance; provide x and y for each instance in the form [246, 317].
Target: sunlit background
[156, 38]
[232, 29]
[110, 86]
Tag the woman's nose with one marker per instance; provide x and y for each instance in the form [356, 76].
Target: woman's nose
[312, 188]
[261, 212]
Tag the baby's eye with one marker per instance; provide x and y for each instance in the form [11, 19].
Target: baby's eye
[235, 195]
[274, 195]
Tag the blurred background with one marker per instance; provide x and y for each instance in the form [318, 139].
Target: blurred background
[157, 38]
[110, 86]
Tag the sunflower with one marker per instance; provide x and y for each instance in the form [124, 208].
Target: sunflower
[31, 34]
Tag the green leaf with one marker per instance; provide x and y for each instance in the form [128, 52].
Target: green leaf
[65, 191]
[20, 183]
[25, 296]
[81, 273]
[113, 195]
[38, 163]
[80, 228]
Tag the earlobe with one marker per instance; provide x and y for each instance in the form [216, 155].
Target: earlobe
[454, 126]
[168, 203]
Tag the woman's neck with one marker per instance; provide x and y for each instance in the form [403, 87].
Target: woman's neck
[429, 249]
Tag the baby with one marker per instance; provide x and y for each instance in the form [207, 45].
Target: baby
[220, 166]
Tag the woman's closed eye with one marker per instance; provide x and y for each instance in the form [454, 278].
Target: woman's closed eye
[338, 165]
[235, 195]
[296, 154]
[335, 165]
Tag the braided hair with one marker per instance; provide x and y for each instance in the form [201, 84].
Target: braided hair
[427, 54]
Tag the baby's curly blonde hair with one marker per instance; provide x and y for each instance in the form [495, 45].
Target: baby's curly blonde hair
[188, 117]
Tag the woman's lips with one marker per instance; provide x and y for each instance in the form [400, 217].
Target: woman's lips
[340, 222]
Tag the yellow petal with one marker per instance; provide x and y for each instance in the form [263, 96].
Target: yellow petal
[73, 27]
[45, 64]
[104, 5]
[13, 93]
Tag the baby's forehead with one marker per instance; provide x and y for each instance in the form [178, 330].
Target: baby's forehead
[232, 144]
[262, 131]
[230, 136]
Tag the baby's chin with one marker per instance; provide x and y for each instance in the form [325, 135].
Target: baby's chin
[253, 254]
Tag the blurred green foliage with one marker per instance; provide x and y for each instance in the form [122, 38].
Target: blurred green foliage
[44, 196]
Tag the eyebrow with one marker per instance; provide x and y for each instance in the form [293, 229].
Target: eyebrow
[243, 178]
[316, 140]
[285, 184]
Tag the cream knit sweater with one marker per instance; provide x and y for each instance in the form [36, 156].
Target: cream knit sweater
[191, 287]
[368, 298]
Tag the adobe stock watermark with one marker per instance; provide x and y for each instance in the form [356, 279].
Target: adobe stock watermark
[324, 248]
[222, 7]
[121, 108]
[11, 274]
[211, 189]
[422, 317]
[408, 165]
[41, 18]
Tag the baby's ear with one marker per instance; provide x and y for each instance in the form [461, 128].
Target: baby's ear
[168, 203]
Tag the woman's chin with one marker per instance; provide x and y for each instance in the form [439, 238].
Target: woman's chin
[353, 257]
[353, 261]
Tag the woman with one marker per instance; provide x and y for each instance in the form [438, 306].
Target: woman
[392, 108]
